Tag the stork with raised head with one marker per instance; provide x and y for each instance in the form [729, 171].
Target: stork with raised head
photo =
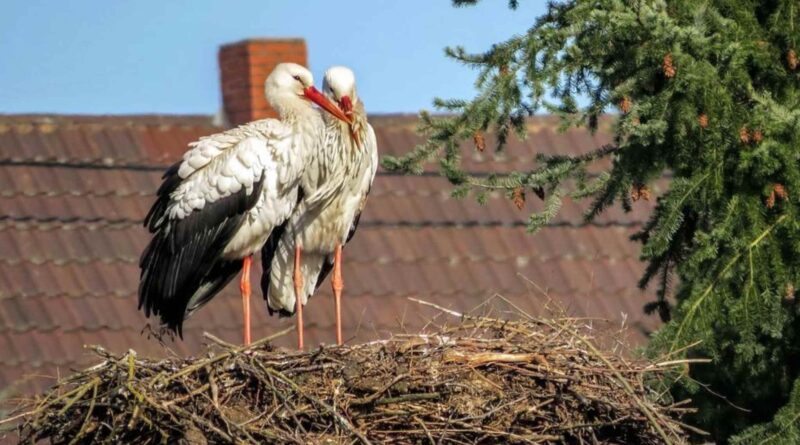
[219, 205]
[297, 258]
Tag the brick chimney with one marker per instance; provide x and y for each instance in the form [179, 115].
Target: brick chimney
[243, 68]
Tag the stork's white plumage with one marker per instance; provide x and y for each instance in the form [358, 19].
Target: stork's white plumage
[343, 175]
[219, 205]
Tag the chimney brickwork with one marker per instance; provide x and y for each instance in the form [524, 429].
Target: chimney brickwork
[243, 68]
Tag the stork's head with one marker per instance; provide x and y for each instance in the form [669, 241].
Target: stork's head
[290, 85]
[339, 85]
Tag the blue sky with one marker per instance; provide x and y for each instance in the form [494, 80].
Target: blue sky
[90, 56]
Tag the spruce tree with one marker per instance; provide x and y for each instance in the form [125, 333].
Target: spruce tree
[706, 93]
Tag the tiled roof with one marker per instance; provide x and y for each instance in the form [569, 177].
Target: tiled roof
[74, 189]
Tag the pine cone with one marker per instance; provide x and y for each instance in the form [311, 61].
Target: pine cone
[640, 191]
[504, 70]
[780, 191]
[625, 104]
[744, 135]
[789, 295]
[771, 200]
[480, 141]
[519, 198]
[758, 136]
[791, 59]
[702, 120]
[645, 193]
[668, 67]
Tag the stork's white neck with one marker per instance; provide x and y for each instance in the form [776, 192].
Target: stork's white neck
[294, 109]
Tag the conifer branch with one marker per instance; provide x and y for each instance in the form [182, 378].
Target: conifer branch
[687, 319]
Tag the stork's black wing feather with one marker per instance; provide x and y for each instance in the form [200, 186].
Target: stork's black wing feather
[183, 263]
[171, 181]
[214, 281]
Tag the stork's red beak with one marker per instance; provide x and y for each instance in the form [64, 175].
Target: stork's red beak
[347, 106]
[318, 98]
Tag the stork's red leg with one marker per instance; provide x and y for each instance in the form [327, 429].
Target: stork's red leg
[298, 292]
[244, 286]
[338, 284]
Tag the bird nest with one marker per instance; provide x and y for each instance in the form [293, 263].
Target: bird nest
[483, 381]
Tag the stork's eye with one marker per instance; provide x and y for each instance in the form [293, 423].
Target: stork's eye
[297, 78]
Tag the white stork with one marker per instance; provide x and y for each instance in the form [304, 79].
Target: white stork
[218, 206]
[344, 171]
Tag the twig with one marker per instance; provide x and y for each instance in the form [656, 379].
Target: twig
[409, 398]
[88, 416]
[374, 396]
[219, 341]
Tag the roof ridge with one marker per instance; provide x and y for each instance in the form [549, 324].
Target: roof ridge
[68, 261]
[115, 193]
[101, 163]
[194, 120]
